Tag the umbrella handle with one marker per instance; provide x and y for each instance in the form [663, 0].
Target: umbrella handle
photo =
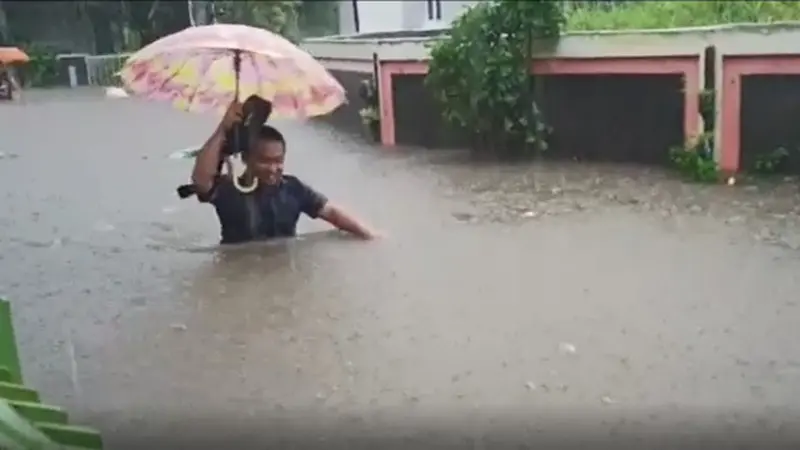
[237, 68]
[235, 179]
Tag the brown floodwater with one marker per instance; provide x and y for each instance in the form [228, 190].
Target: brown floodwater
[506, 302]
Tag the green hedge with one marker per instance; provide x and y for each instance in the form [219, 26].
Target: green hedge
[676, 14]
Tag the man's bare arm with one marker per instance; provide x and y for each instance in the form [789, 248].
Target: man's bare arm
[345, 222]
[206, 163]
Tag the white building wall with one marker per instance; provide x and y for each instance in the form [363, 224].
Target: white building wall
[373, 16]
[394, 15]
[347, 24]
[415, 12]
[452, 9]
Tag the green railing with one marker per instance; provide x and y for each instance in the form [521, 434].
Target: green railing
[25, 422]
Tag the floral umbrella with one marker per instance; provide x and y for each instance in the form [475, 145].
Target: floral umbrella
[205, 68]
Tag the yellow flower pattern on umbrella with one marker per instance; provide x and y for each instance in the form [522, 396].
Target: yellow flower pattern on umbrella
[194, 70]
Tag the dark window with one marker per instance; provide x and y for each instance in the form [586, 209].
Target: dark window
[434, 9]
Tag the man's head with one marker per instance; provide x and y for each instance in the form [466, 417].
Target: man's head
[266, 155]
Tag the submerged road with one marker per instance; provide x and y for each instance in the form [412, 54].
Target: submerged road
[508, 302]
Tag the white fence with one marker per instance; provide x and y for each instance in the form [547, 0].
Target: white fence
[101, 70]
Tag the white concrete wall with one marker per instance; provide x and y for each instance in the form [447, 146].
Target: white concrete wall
[347, 24]
[373, 16]
[415, 13]
[452, 9]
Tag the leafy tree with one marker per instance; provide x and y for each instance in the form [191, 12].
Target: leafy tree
[480, 72]
[102, 15]
[277, 16]
[124, 25]
[5, 34]
[318, 18]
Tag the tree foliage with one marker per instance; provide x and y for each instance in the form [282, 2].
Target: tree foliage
[318, 18]
[293, 19]
[124, 25]
[277, 16]
[480, 72]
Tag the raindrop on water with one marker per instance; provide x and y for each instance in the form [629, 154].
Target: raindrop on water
[567, 348]
[103, 227]
[607, 400]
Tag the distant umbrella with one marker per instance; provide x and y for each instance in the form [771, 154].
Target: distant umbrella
[13, 55]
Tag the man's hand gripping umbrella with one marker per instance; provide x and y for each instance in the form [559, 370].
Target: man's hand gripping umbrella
[240, 124]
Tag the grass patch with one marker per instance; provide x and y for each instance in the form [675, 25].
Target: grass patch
[676, 14]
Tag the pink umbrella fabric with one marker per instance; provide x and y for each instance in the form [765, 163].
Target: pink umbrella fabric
[194, 70]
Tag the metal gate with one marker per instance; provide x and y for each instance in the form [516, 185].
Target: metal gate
[101, 70]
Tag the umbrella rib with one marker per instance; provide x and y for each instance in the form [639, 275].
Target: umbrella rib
[173, 74]
[193, 95]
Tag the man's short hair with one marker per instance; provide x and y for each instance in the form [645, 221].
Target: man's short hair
[271, 134]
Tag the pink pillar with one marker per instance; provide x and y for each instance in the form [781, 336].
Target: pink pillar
[733, 67]
[385, 73]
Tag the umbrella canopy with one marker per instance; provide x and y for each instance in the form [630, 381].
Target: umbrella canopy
[12, 55]
[207, 67]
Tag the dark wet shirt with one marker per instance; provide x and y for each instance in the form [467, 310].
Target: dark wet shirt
[268, 212]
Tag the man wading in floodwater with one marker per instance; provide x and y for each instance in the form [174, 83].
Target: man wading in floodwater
[273, 208]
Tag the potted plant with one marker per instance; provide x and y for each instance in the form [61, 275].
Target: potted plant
[372, 122]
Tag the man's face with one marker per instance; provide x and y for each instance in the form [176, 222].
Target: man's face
[265, 161]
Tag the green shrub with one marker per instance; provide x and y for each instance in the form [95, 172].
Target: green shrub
[772, 162]
[42, 69]
[480, 73]
[696, 163]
